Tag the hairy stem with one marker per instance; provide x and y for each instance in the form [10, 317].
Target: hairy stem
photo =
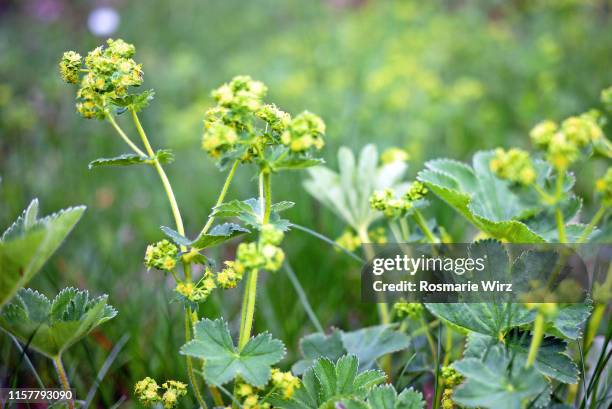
[536, 340]
[221, 197]
[589, 229]
[59, 367]
[420, 221]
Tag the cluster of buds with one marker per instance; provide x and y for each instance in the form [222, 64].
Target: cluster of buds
[387, 202]
[200, 291]
[450, 379]
[349, 240]
[108, 74]
[412, 310]
[304, 132]
[284, 382]
[250, 398]
[514, 165]
[265, 253]
[147, 391]
[243, 125]
[563, 143]
[161, 255]
[230, 275]
[392, 155]
[603, 186]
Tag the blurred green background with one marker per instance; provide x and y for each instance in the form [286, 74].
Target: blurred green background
[438, 78]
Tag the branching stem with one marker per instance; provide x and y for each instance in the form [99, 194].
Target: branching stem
[221, 198]
[536, 340]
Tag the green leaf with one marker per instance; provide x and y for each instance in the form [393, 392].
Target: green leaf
[371, 343]
[347, 192]
[29, 243]
[217, 235]
[567, 323]
[136, 102]
[386, 397]
[326, 383]
[249, 212]
[50, 327]
[295, 163]
[484, 318]
[127, 159]
[483, 199]
[494, 382]
[223, 362]
[552, 359]
[318, 345]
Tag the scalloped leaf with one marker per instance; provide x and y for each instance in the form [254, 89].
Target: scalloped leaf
[386, 397]
[50, 327]
[552, 359]
[567, 323]
[347, 192]
[482, 198]
[224, 362]
[494, 382]
[217, 235]
[326, 383]
[249, 212]
[127, 159]
[318, 345]
[484, 318]
[29, 243]
[371, 343]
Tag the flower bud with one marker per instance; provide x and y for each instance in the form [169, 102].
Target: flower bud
[70, 67]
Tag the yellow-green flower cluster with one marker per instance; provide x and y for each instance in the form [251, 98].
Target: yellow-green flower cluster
[108, 74]
[241, 94]
[260, 255]
[514, 165]
[392, 155]
[304, 132]
[378, 235]
[277, 119]
[230, 275]
[250, 398]
[603, 186]
[450, 379]
[146, 391]
[349, 240]
[197, 292]
[410, 310]
[564, 143]
[416, 191]
[218, 138]
[242, 126]
[284, 382]
[386, 202]
[70, 67]
[161, 255]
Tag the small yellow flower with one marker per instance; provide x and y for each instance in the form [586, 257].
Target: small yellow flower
[394, 155]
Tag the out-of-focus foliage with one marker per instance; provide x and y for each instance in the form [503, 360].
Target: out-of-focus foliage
[437, 78]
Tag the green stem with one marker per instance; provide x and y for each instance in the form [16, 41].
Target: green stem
[162, 175]
[221, 197]
[430, 340]
[405, 229]
[124, 136]
[560, 226]
[250, 291]
[59, 367]
[181, 230]
[589, 229]
[536, 340]
[420, 221]
[383, 308]
[250, 294]
[190, 372]
[598, 314]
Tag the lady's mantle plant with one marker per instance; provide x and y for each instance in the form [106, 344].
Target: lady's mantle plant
[507, 195]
